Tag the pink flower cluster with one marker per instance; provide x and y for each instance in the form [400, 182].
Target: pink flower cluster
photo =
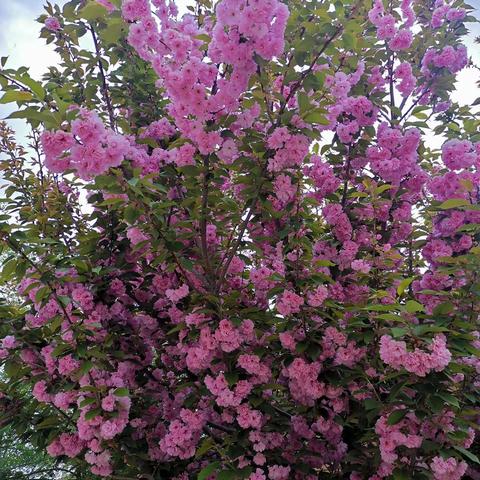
[444, 12]
[395, 354]
[197, 88]
[90, 149]
[53, 24]
[396, 154]
[225, 397]
[408, 81]
[357, 112]
[317, 296]
[453, 59]
[339, 221]
[392, 437]
[290, 149]
[323, 178]
[285, 190]
[447, 469]
[303, 381]
[175, 295]
[459, 154]
[398, 39]
[183, 435]
[253, 365]
[289, 303]
[66, 444]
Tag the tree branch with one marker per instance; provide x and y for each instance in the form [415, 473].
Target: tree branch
[203, 219]
[106, 95]
[237, 243]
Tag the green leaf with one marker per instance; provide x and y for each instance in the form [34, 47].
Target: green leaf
[444, 309]
[35, 87]
[47, 423]
[371, 404]
[398, 332]
[304, 103]
[396, 416]
[9, 268]
[131, 214]
[412, 307]
[420, 330]
[317, 117]
[204, 37]
[382, 308]
[42, 293]
[449, 398]
[401, 475]
[59, 349]
[113, 32]
[85, 368]
[121, 392]
[208, 470]
[11, 368]
[454, 203]
[383, 188]
[324, 263]
[33, 115]
[390, 317]
[349, 41]
[403, 285]
[467, 454]
[204, 447]
[436, 403]
[93, 413]
[301, 347]
[227, 475]
[231, 377]
[93, 11]
[16, 96]
[87, 401]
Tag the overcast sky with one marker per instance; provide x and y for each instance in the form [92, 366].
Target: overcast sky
[19, 40]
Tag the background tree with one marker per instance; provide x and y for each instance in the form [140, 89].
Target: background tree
[239, 251]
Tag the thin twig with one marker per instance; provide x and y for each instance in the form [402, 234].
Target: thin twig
[18, 84]
[304, 74]
[203, 219]
[106, 95]
[18, 249]
[239, 240]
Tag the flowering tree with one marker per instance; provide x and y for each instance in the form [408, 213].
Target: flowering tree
[239, 250]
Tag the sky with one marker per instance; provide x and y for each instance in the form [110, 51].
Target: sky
[19, 40]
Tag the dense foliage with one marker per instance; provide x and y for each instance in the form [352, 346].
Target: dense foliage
[238, 249]
[21, 461]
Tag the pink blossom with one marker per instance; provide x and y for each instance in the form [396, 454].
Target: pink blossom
[175, 295]
[136, 236]
[40, 392]
[289, 303]
[227, 336]
[318, 296]
[67, 365]
[9, 342]
[53, 24]
[278, 472]
[361, 266]
[55, 449]
[303, 382]
[401, 41]
[447, 469]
